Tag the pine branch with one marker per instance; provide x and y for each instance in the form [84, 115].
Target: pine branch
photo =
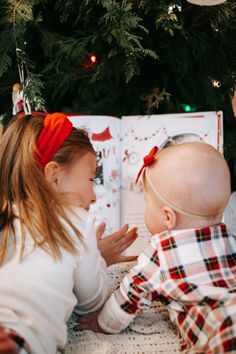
[16, 17]
[118, 24]
[5, 63]
[32, 84]
[19, 11]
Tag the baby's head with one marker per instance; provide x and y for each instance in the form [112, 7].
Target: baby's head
[187, 185]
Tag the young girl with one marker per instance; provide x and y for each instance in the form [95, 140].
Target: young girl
[191, 260]
[49, 259]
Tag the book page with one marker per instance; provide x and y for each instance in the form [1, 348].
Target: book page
[139, 135]
[104, 133]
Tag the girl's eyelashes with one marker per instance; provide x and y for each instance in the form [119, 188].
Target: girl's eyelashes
[93, 180]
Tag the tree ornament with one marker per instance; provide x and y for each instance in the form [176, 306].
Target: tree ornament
[19, 100]
[157, 96]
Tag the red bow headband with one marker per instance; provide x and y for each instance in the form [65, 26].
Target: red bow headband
[147, 160]
[56, 129]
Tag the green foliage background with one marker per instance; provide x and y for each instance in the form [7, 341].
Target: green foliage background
[139, 45]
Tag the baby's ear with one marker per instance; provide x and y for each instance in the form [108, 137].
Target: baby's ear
[169, 216]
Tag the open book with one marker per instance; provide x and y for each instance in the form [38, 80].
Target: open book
[121, 144]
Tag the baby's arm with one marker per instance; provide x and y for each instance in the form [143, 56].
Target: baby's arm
[134, 292]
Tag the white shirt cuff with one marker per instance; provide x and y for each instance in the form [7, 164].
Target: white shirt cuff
[112, 318]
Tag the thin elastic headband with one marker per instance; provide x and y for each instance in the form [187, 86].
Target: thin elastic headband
[56, 129]
[174, 207]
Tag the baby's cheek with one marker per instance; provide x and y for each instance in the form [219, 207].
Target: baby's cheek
[148, 220]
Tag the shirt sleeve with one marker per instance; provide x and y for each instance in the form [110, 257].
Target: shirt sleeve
[135, 292]
[90, 277]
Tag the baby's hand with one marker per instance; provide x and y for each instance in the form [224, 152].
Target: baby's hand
[89, 321]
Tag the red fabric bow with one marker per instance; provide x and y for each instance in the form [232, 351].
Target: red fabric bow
[147, 160]
[56, 129]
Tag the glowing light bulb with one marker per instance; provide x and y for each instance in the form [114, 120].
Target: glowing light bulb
[216, 83]
[187, 108]
[93, 59]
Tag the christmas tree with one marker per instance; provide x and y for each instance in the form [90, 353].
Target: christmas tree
[121, 57]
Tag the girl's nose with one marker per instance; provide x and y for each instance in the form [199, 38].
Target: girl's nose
[94, 198]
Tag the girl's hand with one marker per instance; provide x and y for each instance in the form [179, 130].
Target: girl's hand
[7, 346]
[89, 321]
[113, 245]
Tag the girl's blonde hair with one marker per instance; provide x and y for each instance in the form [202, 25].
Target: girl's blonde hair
[22, 183]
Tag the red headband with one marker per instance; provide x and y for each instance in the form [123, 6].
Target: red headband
[56, 129]
[147, 160]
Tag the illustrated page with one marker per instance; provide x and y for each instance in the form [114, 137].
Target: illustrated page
[139, 135]
[104, 133]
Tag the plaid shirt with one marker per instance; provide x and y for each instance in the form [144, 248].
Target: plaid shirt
[194, 272]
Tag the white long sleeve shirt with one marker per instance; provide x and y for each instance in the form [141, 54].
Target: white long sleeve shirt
[38, 295]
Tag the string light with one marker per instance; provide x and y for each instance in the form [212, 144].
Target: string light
[187, 108]
[93, 59]
[172, 7]
[216, 83]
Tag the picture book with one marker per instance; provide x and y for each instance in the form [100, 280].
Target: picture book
[121, 144]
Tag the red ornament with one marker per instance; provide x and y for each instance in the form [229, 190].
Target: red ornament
[90, 61]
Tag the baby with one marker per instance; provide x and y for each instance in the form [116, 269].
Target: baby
[190, 263]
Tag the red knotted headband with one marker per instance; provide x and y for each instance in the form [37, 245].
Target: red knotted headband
[147, 160]
[56, 129]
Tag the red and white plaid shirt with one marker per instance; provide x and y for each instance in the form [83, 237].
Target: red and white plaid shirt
[194, 272]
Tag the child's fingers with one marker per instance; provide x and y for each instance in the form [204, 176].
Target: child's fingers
[127, 240]
[124, 233]
[128, 258]
[120, 233]
[132, 232]
[100, 230]
[90, 323]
